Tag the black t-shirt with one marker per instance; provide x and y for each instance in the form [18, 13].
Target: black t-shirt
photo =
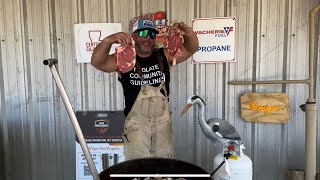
[131, 82]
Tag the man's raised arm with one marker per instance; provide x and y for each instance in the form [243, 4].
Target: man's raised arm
[101, 59]
[190, 44]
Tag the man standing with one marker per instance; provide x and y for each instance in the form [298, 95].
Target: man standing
[148, 125]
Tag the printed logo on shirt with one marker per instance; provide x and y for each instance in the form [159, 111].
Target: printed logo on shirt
[151, 75]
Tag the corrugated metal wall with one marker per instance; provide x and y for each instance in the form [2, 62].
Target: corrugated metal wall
[37, 139]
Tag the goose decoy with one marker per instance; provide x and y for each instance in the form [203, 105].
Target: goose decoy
[214, 129]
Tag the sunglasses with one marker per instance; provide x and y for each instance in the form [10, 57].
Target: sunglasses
[160, 21]
[147, 32]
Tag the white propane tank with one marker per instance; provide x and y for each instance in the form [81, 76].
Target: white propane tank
[241, 169]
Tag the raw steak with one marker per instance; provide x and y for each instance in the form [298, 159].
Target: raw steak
[175, 44]
[126, 57]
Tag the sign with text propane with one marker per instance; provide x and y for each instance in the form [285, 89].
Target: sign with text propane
[216, 39]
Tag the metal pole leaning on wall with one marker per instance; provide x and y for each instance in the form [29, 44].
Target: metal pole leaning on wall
[51, 63]
[310, 106]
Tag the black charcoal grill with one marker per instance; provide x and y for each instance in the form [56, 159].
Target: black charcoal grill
[153, 166]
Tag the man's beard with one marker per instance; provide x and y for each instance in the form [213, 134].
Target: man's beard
[145, 50]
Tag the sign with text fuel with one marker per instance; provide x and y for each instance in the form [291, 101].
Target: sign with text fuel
[265, 107]
[216, 39]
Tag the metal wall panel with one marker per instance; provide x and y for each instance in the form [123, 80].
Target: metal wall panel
[36, 136]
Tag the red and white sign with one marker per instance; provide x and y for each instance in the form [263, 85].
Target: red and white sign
[88, 36]
[216, 39]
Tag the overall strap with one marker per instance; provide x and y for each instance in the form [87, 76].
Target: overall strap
[163, 87]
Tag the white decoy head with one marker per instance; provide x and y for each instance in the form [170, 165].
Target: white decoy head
[214, 128]
[191, 101]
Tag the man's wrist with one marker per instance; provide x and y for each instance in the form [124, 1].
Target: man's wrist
[107, 41]
[189, 34]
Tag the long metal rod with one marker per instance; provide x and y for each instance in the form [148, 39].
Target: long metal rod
[311, 49]
[311, 141]
[311, 106]
[51, 63]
